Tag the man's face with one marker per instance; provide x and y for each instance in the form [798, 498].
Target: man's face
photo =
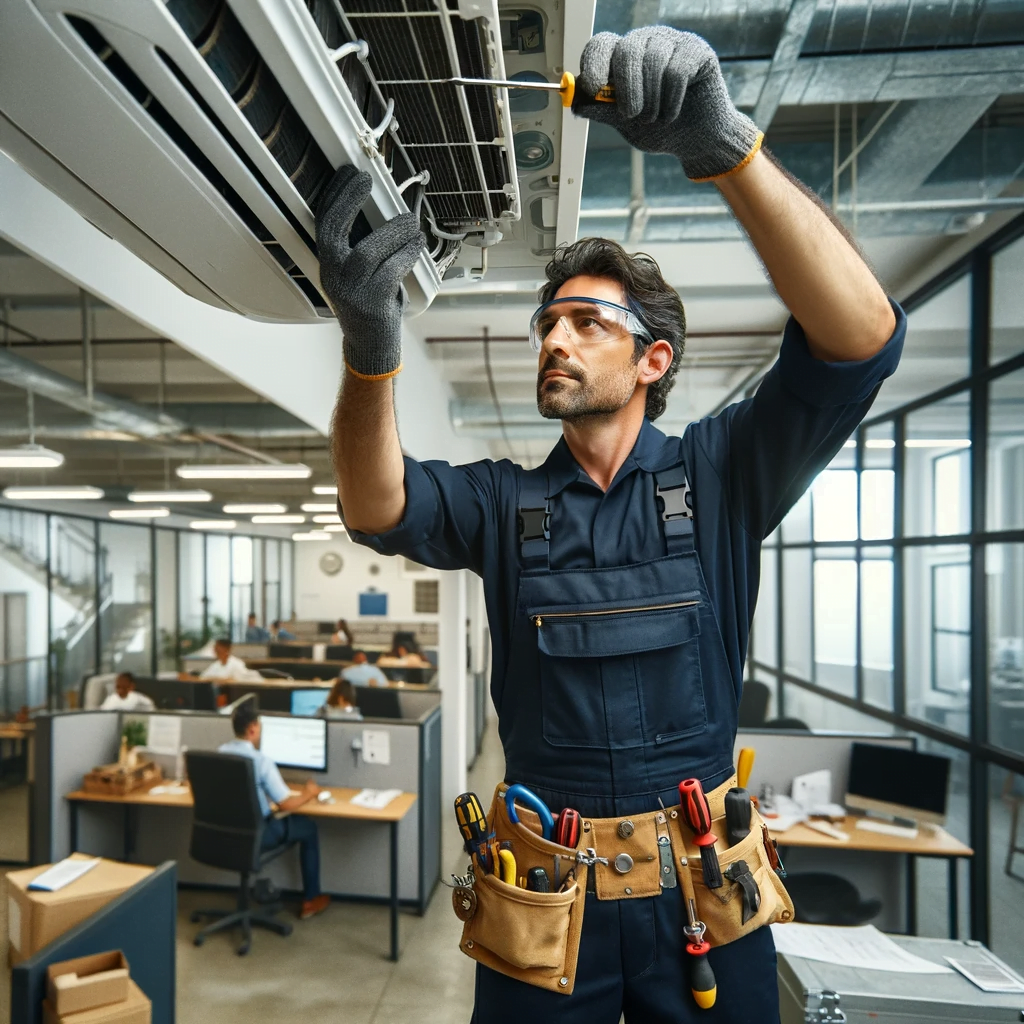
[576, 379]
[254, 732]
[359, 658]
[252, 620]
[222, 651]
[123, 685]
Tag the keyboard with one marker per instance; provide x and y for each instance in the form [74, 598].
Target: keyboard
[903, 831]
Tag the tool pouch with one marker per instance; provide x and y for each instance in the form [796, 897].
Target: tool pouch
[531, 936]
[721, 909]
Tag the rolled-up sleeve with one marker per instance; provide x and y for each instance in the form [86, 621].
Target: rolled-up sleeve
[766, 450]
[271, 782]
[448, 510]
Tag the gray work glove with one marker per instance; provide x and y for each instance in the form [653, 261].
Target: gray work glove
[670, 97]
[364, 282]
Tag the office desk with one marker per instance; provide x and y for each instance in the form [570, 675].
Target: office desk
[929, 842]
[342, 808]
[21, 736]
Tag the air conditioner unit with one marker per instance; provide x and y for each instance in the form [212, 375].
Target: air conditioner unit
[199, 132]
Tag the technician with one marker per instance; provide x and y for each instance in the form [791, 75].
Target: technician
[621, 517]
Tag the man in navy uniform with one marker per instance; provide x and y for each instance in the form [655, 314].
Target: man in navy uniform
[659, 536]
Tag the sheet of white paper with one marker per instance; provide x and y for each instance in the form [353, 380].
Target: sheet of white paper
[375, 799]
[169, 790]
[14, 923]
[376, 746]
[784, 821]
[163, 733]
[986, 974]
[863, 947]
[62, 873]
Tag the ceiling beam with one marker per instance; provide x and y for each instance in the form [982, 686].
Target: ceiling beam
[784, 60]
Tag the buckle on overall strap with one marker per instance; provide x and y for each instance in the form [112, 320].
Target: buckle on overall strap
[534, 524]
[675, 505]
[533, 519]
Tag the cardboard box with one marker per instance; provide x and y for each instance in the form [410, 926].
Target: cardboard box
[35, 919]
[87, 982]
[136, 1009]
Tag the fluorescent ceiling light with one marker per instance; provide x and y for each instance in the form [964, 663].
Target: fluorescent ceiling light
[325, 489]
[278, 519]
[53, 493]
[138, 513]
[312, 535]
[30, 456]
[269, 509]
[336, 528]
[320, 506]
[213, 524]
[879, 442]
[940, 442]
[171, 496]
[326, 517]
[249, 471]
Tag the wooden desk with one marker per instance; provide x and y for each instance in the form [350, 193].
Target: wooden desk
[929, 842]
[342, 808]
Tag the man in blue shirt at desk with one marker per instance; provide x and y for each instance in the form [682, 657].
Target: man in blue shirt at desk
[272, 789]
[362, 673]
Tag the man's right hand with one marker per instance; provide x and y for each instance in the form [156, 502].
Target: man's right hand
[364, 283]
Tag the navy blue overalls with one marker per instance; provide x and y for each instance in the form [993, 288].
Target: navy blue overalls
[617, 688]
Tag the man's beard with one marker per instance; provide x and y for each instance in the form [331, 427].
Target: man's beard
[590, 397]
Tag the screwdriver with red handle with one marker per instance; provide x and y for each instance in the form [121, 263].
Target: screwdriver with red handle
[697, 814]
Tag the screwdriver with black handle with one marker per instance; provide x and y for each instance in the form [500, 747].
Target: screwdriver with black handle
[697, 814]
[737, 800]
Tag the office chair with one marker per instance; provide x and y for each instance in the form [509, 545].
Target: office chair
[793, 724]
[821, 898]
[226, 828]
[754, 704]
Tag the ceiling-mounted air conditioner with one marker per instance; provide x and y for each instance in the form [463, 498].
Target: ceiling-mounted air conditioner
[199, 132]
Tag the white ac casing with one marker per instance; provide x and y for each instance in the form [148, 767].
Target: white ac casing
[74, 126]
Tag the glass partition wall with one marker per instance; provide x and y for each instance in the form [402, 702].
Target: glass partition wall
[80, 595]
[892, 595]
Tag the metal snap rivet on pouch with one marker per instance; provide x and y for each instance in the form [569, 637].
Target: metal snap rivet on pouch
[629, 892]
[563, 982]
[623, 863]
[625, 829]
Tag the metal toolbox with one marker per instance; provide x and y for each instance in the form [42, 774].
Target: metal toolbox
[823, 993]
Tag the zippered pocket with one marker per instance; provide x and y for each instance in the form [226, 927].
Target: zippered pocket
[538, 619]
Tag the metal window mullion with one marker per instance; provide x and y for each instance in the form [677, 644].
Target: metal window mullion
[780, 630]
[50, 702]
[152, 600]
[858, 667]
[899, 668]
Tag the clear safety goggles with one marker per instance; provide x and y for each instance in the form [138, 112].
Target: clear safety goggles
[586, 321]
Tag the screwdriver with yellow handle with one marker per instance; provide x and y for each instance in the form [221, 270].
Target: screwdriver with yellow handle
[566, 87]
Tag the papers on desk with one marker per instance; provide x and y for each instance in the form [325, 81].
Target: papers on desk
[783, 814]
[62, 873]
[173, 790]
[864, 947]
[375, 799]
[985, 973]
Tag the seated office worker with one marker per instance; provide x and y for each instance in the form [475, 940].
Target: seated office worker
[278, 632]
[272, 789]
[341, 702]
[254, 632]
[362, 673]
[594, 533]
[226, 665]
[125, 697]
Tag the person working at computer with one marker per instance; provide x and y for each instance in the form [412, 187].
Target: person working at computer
[342, 634]
[279, 633]
[254, 632]
[125, 697]
[341, 702]
[362, 673]
[226, 665]
[401, 657]
[272, 789]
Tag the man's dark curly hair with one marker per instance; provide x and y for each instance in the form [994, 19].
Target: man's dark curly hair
[652, 300]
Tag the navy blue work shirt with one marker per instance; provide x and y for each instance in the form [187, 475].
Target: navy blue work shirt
[746, 467]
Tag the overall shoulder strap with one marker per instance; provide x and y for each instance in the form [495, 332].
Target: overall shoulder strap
[533, 518]
[674, 501]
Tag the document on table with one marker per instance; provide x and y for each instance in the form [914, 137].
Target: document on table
[63, 873]
[169, 790]
[985, 973]
[863, 947]
[375, 799]
[163, 734]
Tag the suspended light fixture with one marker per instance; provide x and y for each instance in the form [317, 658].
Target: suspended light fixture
[327, 517]
[312, 535]
[269, 520]
[248, 471]
[138, 513]
[325, 489]
[213, 524]
[31, 455]
[53, 493]
[270, 509]
[320, 506]
[336, 528]
[170, 496]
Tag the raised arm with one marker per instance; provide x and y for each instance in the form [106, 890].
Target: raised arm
[364, 285]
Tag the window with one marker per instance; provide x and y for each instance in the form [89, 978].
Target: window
[834, 505]
[1004, 584]
[835, 621]
[425, 597]
[218, 583]
[125, 587]
[165, 574]
[765, 648]
[1007, 338]
[797, 592]
[877, 483]
[1006, 452]
[937, 488]
[876, 622]
[73, 611]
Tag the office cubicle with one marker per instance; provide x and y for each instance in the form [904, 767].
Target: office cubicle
[141, 922]
[354, 854]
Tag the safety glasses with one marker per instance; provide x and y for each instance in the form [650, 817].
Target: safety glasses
[587, 321]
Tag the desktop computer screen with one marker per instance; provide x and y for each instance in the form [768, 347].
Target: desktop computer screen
[900, 782]
[308, 702]
[295, 742]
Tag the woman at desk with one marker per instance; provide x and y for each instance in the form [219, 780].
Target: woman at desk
[342, 634]
[401, 657]
[341, 702]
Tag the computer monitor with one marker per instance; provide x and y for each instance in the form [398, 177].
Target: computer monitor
[339, 652]
[176, 694]
[308, 702]
[377, 702]
[898, 782]
[290, 651]
[295, 742]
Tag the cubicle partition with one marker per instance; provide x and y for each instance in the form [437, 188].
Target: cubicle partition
[354, 854]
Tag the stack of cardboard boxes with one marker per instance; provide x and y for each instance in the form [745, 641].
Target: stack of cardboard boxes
[94, 989]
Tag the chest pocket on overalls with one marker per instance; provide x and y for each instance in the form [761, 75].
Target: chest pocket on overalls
[623, 675]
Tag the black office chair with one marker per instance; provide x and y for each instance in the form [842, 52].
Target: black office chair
[227, 825]
[821, 898]
[754, 704]
[792, 724]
